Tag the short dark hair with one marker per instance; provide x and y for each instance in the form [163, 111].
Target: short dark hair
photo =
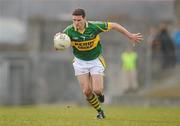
[79, 12]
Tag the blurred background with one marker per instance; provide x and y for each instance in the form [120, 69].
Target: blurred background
[32, 72]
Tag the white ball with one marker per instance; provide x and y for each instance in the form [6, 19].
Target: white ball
[61, 41]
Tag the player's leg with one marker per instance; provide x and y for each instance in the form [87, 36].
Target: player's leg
[97, 74]
[97, 86]
[84, 81]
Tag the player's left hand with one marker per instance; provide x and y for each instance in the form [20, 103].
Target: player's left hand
[136, 38]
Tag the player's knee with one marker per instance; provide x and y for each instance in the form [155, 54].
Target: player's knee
[97, 91]
[87, 92]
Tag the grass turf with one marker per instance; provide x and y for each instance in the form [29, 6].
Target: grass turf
[85, 116]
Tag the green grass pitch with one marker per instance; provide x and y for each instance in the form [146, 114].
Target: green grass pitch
[85, 116]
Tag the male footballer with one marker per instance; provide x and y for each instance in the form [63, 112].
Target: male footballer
[89, 64]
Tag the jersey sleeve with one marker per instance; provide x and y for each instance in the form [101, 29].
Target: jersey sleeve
[102, 26]
[66, 30]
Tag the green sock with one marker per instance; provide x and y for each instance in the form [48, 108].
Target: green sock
[94, 102]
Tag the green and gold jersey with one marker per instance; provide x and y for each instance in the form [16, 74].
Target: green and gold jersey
[86, 45]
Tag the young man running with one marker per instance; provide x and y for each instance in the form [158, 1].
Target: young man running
[89, 64]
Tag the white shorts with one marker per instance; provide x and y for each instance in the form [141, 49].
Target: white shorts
[96, 66]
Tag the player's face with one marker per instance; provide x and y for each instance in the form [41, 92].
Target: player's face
[78, 22]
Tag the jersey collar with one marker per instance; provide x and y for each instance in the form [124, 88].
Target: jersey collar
[86, 25]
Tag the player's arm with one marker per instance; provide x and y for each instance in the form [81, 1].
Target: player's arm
[136, 38]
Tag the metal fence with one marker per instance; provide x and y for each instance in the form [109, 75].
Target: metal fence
[36, 79]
